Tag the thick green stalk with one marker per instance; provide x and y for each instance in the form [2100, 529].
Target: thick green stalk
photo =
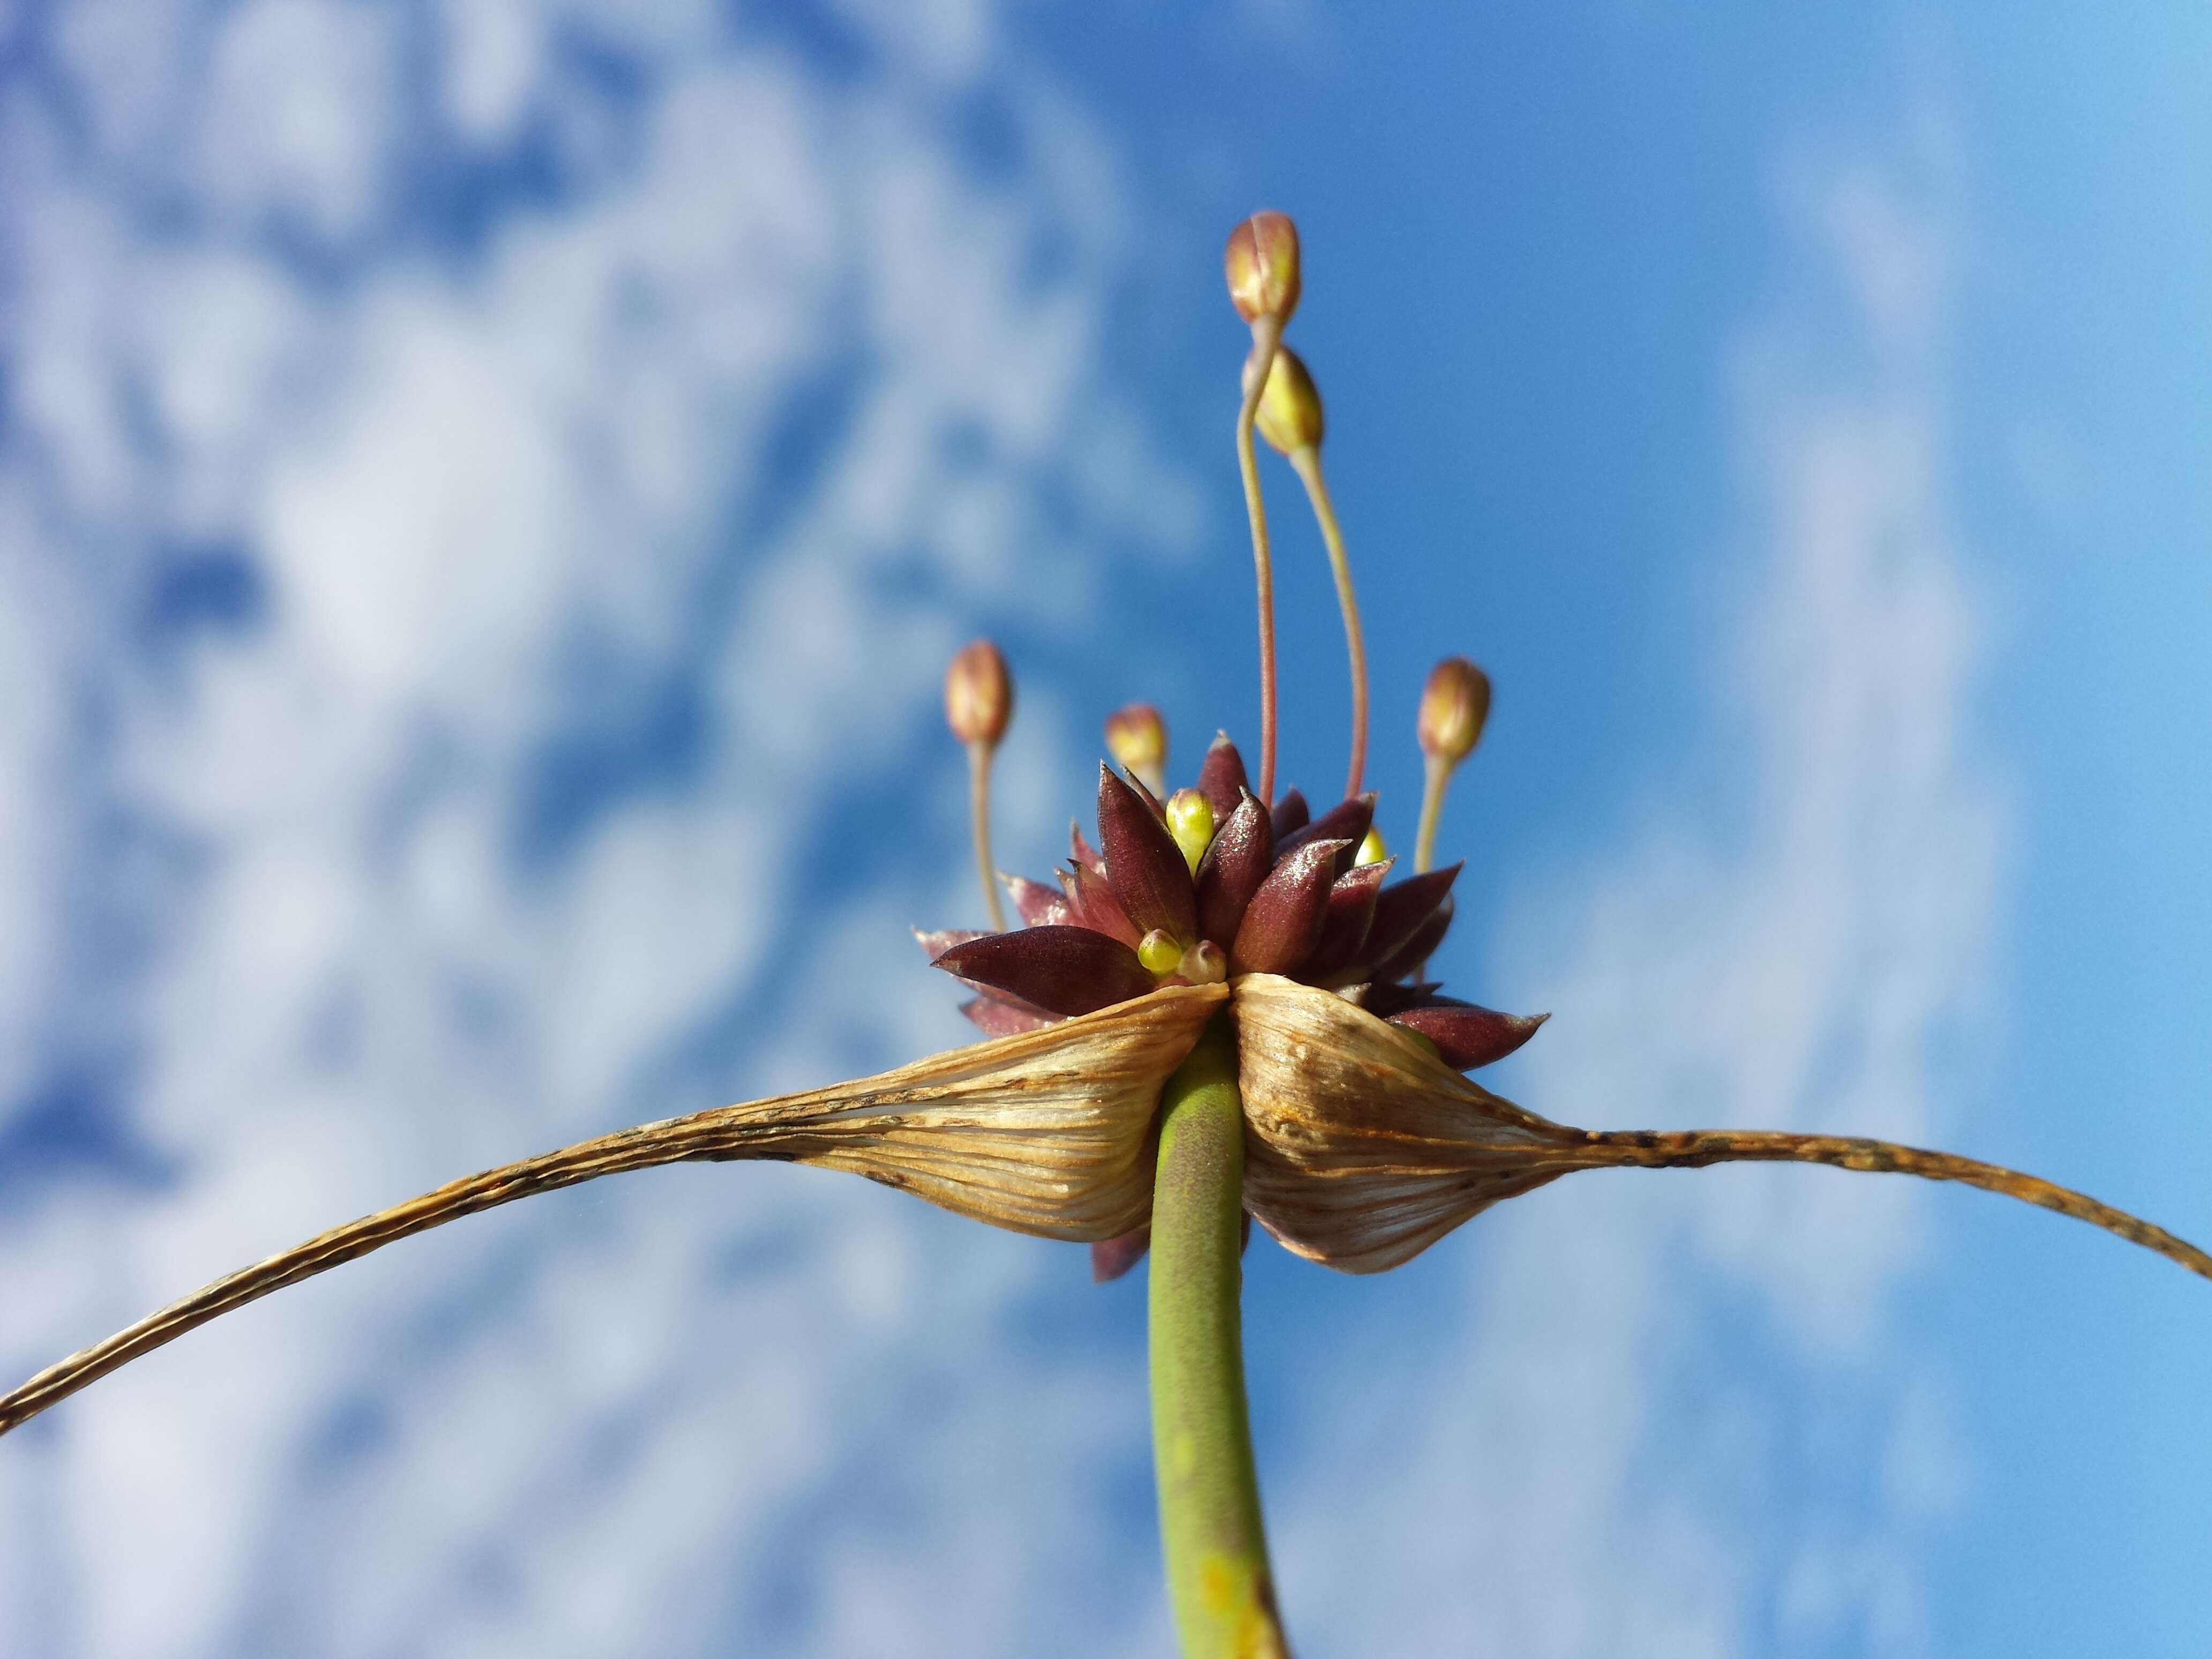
[1210, 1528]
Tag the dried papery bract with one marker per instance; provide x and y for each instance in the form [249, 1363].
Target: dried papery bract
[1048, 1132]
[1365, 1149]
[1454, 707]
[979, 706]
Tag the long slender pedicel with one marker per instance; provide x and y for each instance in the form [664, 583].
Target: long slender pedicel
[1307, 464]
[1290, 419]
[1262, 268]
[1265, 334]
[979, 703]
[1434, 776]
[979, 813]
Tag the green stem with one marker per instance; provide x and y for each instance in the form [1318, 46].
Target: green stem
[1210, 1527]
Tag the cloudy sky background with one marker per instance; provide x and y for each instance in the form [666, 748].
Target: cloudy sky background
[486, 494]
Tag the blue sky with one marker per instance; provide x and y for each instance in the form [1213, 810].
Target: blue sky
[486, 494]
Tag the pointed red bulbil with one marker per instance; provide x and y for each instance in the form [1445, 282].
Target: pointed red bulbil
[1289, 814]
[1419, 945]
[1235, 863]
[1143, 866]
[1137, 786]
[1221, 779]
[1115, 1256]
[1285, 918]
[1351, 899]
[1062, 970]
[1348, 820]
[1090, 903]
[1466, 1036]
[1399, 910]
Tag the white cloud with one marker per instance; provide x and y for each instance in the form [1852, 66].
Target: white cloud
[299, 124]
[32, 775]
[500, 495]
[497, 496]
[493, 59]
[1567, 1470]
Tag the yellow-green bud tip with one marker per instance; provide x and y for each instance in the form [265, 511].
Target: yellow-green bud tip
[979, 694]
[1288, 415]
[1190, 821]
[1137, 737]
[1261, 264]
[1371, 850]
[1159, 952]
[1453, 705]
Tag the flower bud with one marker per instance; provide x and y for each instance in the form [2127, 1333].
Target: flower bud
[1159, 952]
[979, 694]
[1204, 964]
[1261, 264]
[1289, 414]
[1190, 821]
[1453, 705]
[1371, 850]
[1137, 737]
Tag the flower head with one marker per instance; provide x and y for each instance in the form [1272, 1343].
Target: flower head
[1270, 892]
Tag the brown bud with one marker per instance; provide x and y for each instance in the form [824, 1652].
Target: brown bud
[1261, 264]
[1137, 737]
[1289, 414]
[979, 694]
[1453, 705]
